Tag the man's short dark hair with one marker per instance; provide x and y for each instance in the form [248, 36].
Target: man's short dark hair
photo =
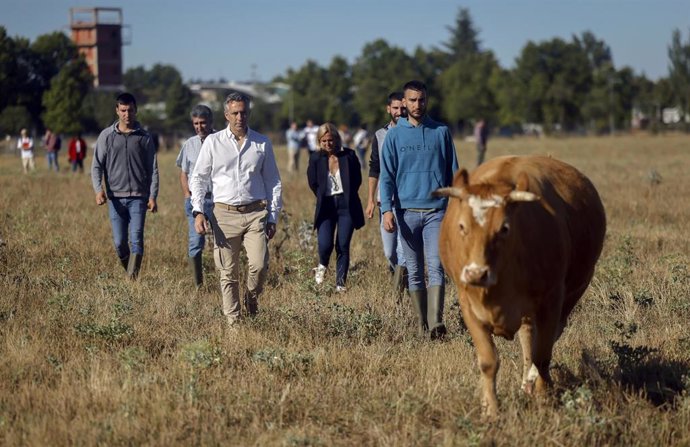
[235, 97]
[415, 85]
[395, 96]
[202, 111]
[126, 99]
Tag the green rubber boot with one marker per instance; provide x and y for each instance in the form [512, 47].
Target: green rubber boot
[197, 270]
[134, 266]
[399, 283]
[434, 315]
[418, 298]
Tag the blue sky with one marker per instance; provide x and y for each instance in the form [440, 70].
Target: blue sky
[239, 40]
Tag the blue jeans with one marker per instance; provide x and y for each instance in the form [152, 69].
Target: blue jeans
[127, 215]
[392, 245]
[53, 159]
[338, 217]
[196, 240]
[419, 231]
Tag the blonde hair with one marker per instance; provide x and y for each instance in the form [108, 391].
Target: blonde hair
[329, 128]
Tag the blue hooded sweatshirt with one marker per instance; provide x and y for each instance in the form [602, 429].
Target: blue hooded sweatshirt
[415, 161]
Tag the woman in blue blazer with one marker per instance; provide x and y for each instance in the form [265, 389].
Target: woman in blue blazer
[335, 175]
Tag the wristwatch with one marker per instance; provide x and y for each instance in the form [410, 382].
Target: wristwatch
[196, 213]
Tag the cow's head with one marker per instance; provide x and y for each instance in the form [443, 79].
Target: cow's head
[480, 225]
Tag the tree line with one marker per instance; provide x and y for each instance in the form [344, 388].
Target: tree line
[561, 85]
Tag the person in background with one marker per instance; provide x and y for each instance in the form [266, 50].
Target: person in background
[361, 143]
[240, 166]
[52, 143]
[310, 130]
[125, 161]
[392, 245]
[418, 157]
[334, 176]
[481, 136]
[294, 139]
[202, 121]
[76, 151]
[345, 135]
[26, 145]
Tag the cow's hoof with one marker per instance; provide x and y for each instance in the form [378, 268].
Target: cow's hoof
[528, 388]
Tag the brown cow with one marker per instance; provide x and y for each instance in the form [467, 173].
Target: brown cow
[520, 242]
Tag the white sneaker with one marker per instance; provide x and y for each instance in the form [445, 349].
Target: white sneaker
[340, 289]
[319, 273]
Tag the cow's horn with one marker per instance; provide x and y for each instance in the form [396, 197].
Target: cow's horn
[451, 191]
[522, 196]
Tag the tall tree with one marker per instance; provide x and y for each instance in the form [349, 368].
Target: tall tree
[339, 108]
[509, 98]
[48, 54]
[308, 96]
[177, 106]
[98, 110]
[679, 72]
[555, 78]
[465, 78]
[379, 70]
[152, 85]
[464, 37]
[13, 119]
[9, 80]
[599, 109]
[63, 101]
[597, 51]
[467, 93]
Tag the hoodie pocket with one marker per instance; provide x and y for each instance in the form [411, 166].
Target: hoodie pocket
[418, 185]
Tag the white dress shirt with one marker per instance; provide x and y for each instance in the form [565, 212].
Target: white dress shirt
[237, 175]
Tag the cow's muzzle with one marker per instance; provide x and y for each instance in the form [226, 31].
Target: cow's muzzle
[478, 275]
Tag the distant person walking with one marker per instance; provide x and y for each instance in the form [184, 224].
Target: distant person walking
[345, 135]
[294, 139]
[76, 152]
[26, 145]
[392, 244]
[310, 130]
[418, 157]
[361, 141]
[481, 136]
[125, 161]
[240, 166]
[334, 177]
[202, 121]
[52, 143]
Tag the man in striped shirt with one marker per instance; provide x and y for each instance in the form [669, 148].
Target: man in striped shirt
[202, 120]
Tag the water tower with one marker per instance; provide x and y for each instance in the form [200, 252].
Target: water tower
[97, 33]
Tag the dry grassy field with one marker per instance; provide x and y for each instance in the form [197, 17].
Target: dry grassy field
[90, 358]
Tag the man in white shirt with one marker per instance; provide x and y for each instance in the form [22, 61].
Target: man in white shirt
[240, 165]
[310, 131]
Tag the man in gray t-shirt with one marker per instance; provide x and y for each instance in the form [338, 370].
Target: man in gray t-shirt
[202, 120]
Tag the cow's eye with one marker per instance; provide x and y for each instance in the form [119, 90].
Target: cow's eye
[505, 228]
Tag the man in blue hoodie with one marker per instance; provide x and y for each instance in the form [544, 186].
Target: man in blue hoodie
[125, 162]
[417, 157]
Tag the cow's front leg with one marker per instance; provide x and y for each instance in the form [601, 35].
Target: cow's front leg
[529, 371]
[487, 358]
